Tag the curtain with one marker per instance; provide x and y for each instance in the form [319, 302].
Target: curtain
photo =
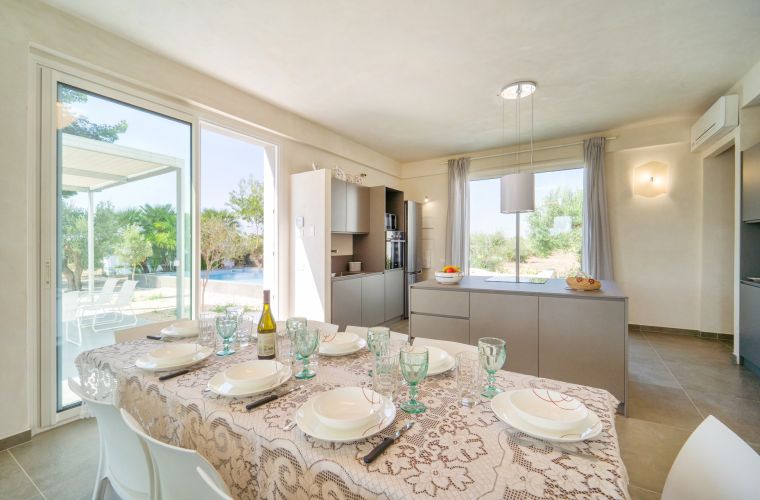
[458, 216]
[597, 251]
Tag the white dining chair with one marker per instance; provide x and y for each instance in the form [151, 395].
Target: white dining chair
[453, 348]
[124, 458]
[174, 467]
[714, 463]
[213, 492]
[326, 328]
[362, 332]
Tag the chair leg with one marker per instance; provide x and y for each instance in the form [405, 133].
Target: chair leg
[100, 481]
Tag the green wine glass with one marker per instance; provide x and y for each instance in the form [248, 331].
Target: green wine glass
[225, 328]
[493, 354]
[292, 325]
[414, 367]
[306, 342]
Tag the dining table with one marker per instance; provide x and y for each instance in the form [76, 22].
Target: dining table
[451, 451]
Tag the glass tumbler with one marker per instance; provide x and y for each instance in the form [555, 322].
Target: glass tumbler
[493, 354]
[292, 325]
[386, 374]
[206, 329]
[468, 375]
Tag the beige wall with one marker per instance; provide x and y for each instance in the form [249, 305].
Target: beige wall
[657, 242]
[28, 26]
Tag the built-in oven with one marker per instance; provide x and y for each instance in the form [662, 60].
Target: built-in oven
[394, 249]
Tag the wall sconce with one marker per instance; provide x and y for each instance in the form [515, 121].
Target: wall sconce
[426, 199]
[651, 179]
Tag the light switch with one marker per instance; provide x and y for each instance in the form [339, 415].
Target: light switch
[299, 221]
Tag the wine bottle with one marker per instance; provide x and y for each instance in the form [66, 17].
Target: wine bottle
[267, 330]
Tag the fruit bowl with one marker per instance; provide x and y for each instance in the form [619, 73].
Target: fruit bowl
[583, 282]
[448, 278]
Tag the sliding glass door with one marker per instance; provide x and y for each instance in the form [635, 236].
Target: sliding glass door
[117, 232]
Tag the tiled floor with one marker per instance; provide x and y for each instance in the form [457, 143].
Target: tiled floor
[675, 381]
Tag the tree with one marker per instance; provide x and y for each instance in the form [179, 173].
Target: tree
[159, 226]
[544, 236]
[134, 248]
[74, 238]
[220, 241]
[82, 126]
[247, 204]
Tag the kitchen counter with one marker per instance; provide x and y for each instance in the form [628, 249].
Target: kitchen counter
[360, 274]
[555, 287]
[550, 331]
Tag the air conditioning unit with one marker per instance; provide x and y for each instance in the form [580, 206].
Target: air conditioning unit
[720, 119]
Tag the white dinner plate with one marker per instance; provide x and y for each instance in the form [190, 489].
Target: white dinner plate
[443, 366]
[548, 409]
[221, 386]
[348, 407]
[181, 329]
[358, 346]
[589, 428]
[254, 375]
[151, 365]
[309, 423]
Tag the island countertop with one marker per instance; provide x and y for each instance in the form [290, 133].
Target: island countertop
[553, 287]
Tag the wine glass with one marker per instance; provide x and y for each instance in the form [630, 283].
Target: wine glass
[306, 342]
[226, 327]
[414, 367]
[493, 354]
[242, 336]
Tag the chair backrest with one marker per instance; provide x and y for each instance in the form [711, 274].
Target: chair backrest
[106, 293]
[453, 348]
[213, 492]
[326, 328]
[125, 294]
[175, 467]
[69, 306]
[362, 332]
[127, 460]
[139, 332]
[714, 463]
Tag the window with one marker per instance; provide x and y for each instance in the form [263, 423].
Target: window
[550, 237]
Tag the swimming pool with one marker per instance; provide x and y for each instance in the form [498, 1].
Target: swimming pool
[253, 275]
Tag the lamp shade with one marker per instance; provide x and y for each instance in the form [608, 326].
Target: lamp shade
[517, 193]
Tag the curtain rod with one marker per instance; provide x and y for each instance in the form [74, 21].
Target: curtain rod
[511, 153]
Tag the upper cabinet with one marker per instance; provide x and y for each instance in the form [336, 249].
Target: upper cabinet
[751, 184]
[350, 207]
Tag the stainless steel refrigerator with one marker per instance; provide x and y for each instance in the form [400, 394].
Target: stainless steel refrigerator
[413, 227]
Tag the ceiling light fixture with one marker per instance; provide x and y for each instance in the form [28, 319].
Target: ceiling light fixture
[518, 189]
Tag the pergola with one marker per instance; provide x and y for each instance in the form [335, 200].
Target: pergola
[91, 166]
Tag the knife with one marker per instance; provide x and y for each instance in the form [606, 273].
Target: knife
[270, 398]
[173, 374]
[379, 449]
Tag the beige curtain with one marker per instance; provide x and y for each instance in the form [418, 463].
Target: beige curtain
[597, 250]
[458, 216]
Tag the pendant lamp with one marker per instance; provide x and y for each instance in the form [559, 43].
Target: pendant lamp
[518, 189]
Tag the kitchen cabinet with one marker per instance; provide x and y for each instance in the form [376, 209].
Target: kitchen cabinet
[749, 323]
[372, 299]
[751, 184]
[357, 208]
[338, 205]
[394, 293]
[347, 302]
[583, 342]
[513, 318]
[441, 327]
[349, 204]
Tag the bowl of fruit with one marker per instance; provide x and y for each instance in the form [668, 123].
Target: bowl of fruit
[584, 282]
[449, 275]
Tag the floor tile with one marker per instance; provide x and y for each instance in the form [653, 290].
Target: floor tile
[648, 450]
[663, 405]
[642, 494]
[733, 380]
[63, 461]
[650, 370]
[741, 415]
[690, 349]
[13, 482]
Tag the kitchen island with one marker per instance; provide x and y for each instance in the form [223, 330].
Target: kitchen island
[550, 330]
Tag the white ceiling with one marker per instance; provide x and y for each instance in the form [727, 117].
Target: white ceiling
[418, 79]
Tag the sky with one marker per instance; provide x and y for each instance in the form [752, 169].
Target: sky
[224, 159]
[485, 198]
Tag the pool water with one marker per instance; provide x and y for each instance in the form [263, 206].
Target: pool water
[253, 275]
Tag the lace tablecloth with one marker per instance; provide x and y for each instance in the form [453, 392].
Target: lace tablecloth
[451, 452]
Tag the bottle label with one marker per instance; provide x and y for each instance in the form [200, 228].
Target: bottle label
[266, 344]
